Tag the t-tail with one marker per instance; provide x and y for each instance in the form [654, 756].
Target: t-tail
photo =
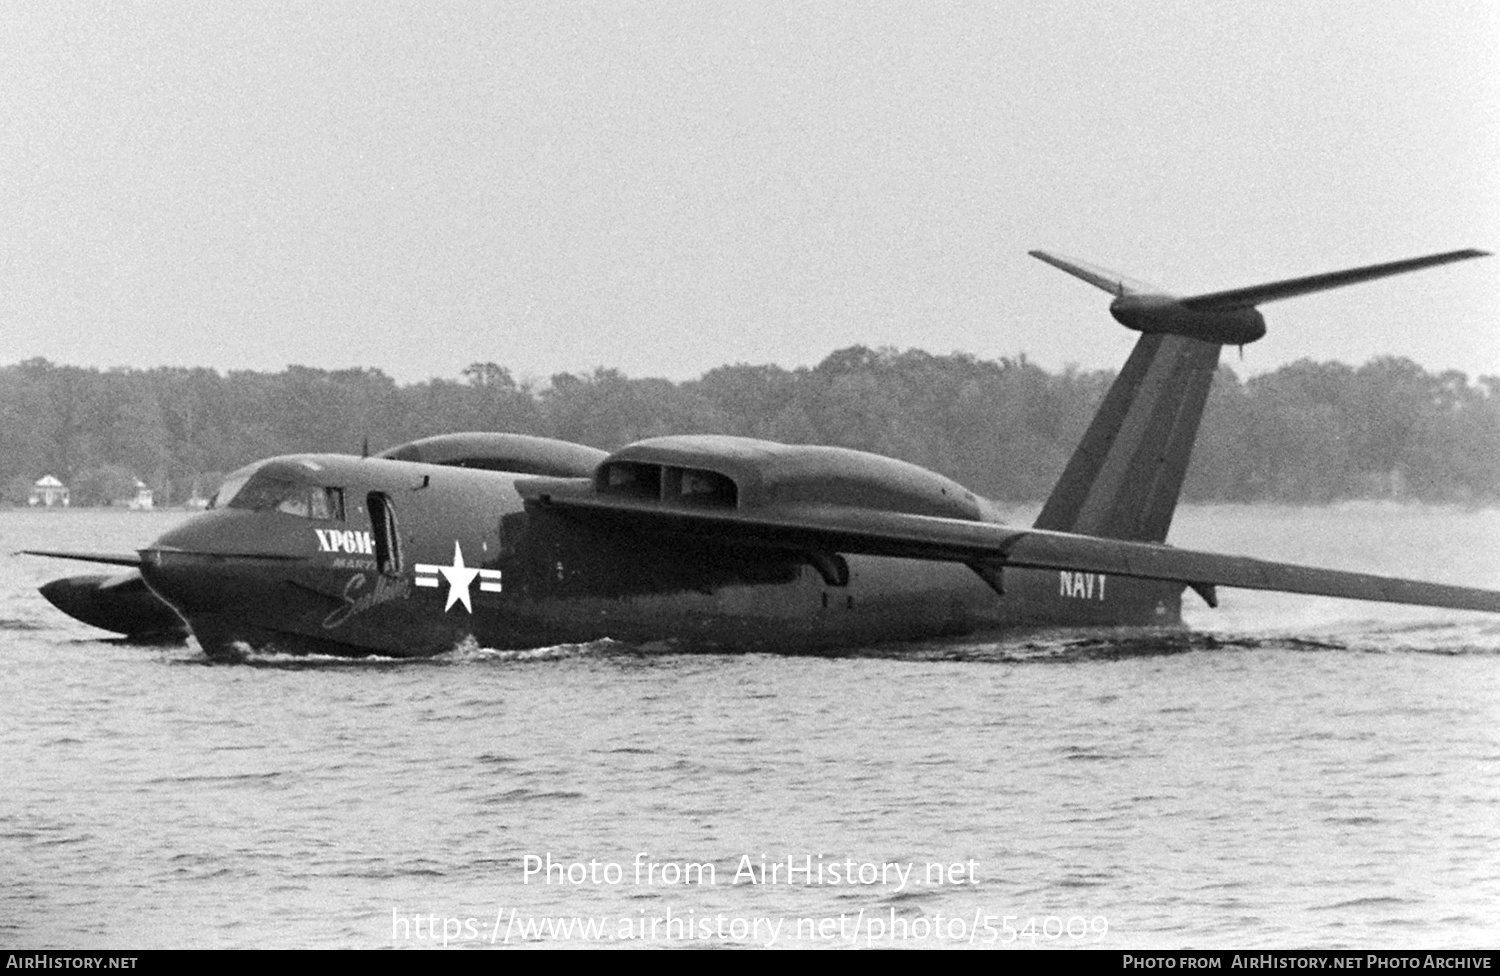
[1125, 477]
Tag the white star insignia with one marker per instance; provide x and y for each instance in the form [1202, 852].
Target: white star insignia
[459, 577]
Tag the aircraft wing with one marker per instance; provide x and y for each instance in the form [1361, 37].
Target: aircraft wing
[986, 547]
[109, 558]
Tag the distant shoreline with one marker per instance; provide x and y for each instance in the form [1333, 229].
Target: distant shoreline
[1307, 433]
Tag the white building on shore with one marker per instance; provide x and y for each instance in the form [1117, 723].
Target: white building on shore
[48, 492]
[144, 498]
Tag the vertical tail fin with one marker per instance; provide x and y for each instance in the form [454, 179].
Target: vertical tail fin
[1124, 479]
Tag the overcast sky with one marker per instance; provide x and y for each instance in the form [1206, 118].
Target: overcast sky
[664, 187]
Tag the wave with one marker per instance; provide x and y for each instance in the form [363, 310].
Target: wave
[1053, 647]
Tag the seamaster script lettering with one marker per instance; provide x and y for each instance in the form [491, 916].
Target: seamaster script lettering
[385, 589]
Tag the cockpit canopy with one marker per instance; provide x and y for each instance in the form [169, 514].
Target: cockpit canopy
[292, 487]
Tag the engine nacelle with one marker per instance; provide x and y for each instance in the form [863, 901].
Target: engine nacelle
[745, 473]
[519, 453]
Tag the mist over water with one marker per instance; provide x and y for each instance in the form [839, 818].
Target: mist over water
[1291, 772]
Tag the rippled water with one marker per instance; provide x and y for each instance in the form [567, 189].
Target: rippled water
[1296, 772]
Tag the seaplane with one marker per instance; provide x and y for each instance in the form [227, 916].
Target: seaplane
[723, 543]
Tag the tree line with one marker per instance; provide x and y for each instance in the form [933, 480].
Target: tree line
[1305, 433]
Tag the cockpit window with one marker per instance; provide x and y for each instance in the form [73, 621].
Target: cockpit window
[294, 502]
[328, 503]
[230, 488]
[270, 494]
[279, 491]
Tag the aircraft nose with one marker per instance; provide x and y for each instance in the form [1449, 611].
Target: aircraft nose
[210, 561]
[192, 582]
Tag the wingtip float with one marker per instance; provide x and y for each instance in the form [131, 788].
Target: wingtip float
[733, 543]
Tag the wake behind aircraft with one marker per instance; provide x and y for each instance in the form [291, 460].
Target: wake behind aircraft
[731, 543]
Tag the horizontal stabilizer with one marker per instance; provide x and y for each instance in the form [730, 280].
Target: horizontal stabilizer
[1221, 301]
[110, 558]
[1102, 278]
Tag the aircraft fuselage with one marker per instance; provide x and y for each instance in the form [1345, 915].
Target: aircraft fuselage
[359, 557]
